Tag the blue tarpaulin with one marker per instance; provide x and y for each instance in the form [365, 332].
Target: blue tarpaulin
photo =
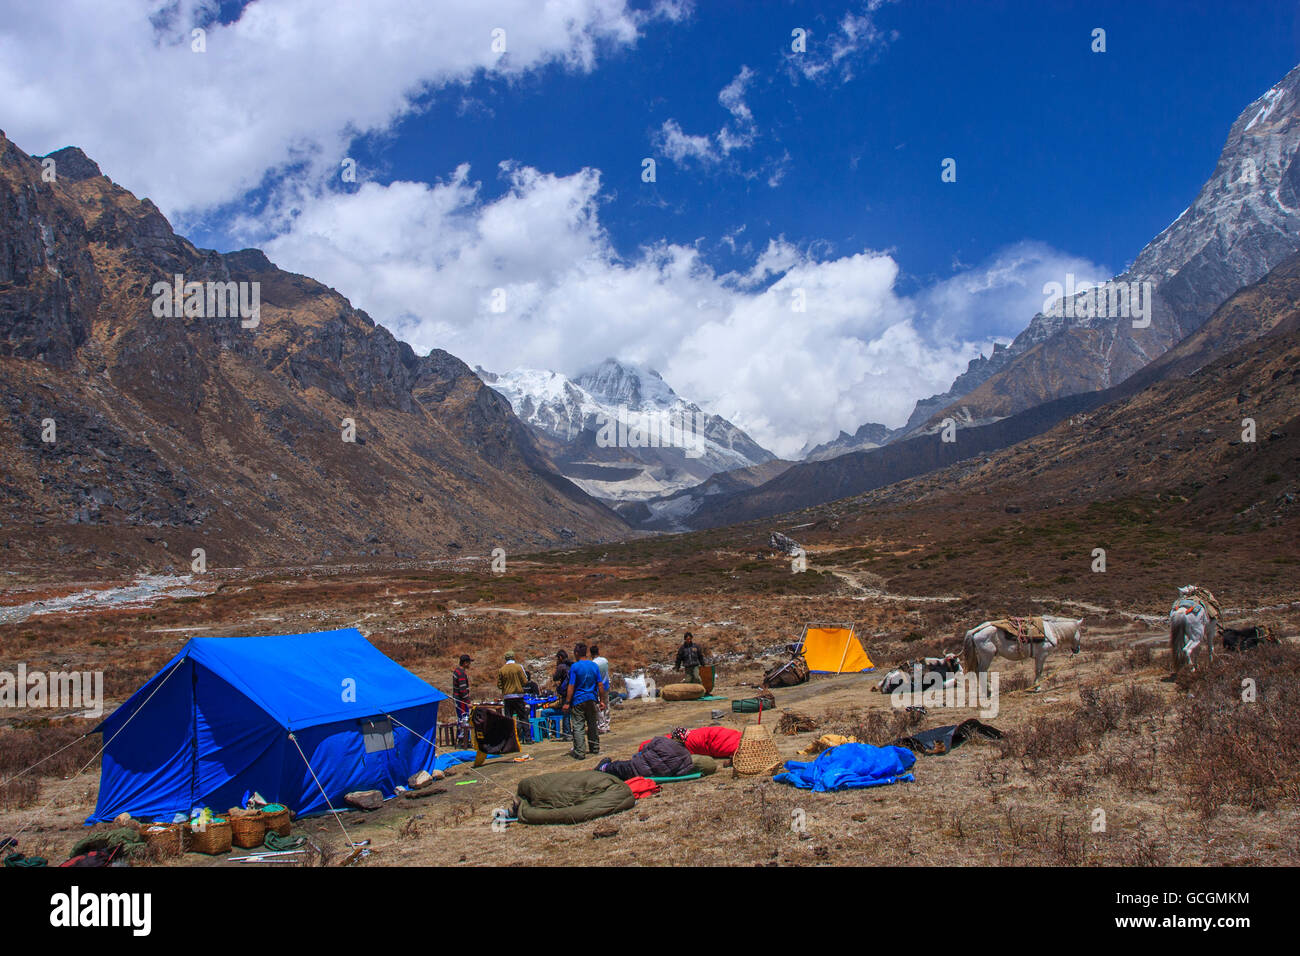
[849, 767]
[214, 723]
[454, 757]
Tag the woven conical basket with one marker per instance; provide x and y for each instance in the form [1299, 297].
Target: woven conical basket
[756, 754]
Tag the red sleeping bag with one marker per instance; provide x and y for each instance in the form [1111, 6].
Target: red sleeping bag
[720, 743]
[717, 742]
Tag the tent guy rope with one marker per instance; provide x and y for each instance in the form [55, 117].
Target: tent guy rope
[334, 813]
[104, 747]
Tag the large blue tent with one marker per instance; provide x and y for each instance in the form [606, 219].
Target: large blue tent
[286, 716]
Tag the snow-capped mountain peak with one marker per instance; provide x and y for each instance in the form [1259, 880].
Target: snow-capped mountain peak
[581, 417]
[619, 383]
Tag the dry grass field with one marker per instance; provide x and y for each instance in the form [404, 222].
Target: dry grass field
[1186, 772]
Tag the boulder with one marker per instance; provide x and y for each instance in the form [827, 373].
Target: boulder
[779, 542]
[365, 799]
[418, 781]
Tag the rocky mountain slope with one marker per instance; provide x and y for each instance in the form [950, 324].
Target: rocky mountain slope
[1182, 439]
[1251, 321]
[677, 511]
[571, 414]
[868, 436]
[1244, 221]
[130, 437]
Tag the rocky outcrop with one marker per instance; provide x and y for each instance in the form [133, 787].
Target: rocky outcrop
[132, 434]
[868, 436]
[1244, 222]
[783, 544]
[49, 289]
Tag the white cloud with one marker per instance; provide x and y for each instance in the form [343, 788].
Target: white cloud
[196, 130]
[998, 297]
[425, 259]
[732, 97]
[856, 38]
[738, 133]
[679, 145]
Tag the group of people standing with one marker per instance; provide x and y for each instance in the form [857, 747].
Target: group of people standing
[581, 687]
[580, 684]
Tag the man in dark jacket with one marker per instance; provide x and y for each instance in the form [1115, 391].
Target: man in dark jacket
[661, 757]
[692, 657]
[560, 688]
[460, 694]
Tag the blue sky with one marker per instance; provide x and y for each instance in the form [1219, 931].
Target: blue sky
[777, 172]
[1092, 152]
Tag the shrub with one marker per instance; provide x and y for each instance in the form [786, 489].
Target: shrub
[1230, 750]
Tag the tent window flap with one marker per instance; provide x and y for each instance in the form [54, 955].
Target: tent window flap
[378, 734]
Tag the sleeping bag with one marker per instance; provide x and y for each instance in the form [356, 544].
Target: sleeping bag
[704, 764]
[849, 767]
[660, 757]
[716, 742]
[571, 797]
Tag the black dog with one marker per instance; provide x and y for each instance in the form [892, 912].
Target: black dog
[1246, 638]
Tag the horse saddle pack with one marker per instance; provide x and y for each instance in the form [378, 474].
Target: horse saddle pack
[1023, 629]
[1195, 597]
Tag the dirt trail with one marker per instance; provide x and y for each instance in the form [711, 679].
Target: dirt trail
[873, 593]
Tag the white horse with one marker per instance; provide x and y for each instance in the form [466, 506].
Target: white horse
[987, 641]
[1190, 627]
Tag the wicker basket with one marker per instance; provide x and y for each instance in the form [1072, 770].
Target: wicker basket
[277, 821]
[248, 827]
[167, 837]
[756, 754]
[212, 839]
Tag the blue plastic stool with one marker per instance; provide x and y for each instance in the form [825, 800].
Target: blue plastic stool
[559, 727]
[552, 726]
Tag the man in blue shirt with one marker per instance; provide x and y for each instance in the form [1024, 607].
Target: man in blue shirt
[586, 690]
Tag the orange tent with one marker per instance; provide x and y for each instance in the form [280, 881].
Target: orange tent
[833, 649]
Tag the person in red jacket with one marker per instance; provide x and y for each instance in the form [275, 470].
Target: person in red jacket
[717, 742]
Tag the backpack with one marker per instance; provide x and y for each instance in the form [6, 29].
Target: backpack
[793, 671]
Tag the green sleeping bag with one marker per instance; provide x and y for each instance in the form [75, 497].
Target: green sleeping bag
[704, 764]
[573, 797]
